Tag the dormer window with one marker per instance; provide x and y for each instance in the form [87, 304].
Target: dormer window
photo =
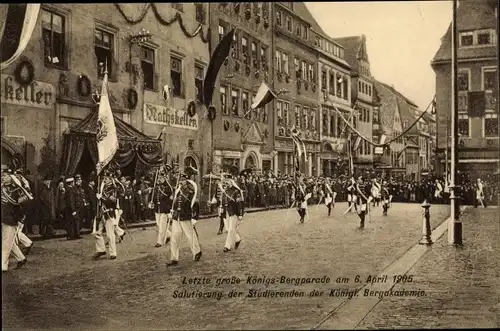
[466, 38]
[484, 38]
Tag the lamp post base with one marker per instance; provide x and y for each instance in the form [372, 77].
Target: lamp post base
[457, 234]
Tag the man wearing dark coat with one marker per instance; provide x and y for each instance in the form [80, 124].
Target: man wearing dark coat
[71, 212]
[47, 207]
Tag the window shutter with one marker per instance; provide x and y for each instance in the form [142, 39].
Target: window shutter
[155, 81]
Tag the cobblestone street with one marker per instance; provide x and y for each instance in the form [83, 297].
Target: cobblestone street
[61, 287]
[462, 285]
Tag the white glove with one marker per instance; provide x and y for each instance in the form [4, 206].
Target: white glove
[240, 218]
[171, 211]
[193, 222]
[74, 213]
[99, 196]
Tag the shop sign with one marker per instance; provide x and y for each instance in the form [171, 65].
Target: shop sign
[37, 94]
[168, 116]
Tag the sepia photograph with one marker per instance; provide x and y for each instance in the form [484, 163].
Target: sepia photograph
[250, 165]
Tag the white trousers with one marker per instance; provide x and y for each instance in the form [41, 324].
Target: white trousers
[8, 245]
[162, 220]
[110, 233]
[232, 236]
[23, 239]
[118, 231]
[178, 228]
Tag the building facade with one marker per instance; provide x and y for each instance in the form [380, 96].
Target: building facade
[477, 83]
[334, 96]
[356, 55]
[70, 49]
[243, 138]
[295, 70]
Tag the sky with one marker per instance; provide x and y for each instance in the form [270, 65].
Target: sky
[401, 39]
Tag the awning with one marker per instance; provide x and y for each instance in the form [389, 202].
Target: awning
[135, 146]
[337, 146]
[16, 155]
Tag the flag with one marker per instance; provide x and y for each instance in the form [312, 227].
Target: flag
[356, 144]
[382, 139]
[107, 140]
[264, 96]
[218, 57]
[17, 30]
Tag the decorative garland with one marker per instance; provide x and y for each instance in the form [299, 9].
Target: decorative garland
[177, 18]
[191, 109]
[18, 73]
[83, 86]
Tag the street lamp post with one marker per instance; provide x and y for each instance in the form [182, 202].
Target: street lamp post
[455, 225]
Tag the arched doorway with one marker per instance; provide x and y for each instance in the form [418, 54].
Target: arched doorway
[250, 162]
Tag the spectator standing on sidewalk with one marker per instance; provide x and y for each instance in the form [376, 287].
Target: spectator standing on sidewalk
[47, 207]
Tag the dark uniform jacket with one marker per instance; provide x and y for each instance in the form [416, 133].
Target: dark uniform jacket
[163, 199]
[182, 203]
[47, 201]
[11, 213]
[232, 202]
[108, 201]
[70, 200]
[92, 199]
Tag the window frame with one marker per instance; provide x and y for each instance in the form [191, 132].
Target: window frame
[462, 116]
[483, 71]
[469, 79]
[112, 74]
[65, 15]
[238, 97]
[488, 115]
[182, 89]
[224, 110]
[153, 49]
[197, 66]
[286, 107]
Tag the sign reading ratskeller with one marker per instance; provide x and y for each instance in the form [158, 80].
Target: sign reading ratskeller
[175, 118]
[37, 94]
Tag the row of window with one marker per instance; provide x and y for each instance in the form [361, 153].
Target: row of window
[365, 148]
[478, 38]
[364, 114]
[364, 88]
[488, 79]
[304, 117]
[253, 52]
[490, 125]
[336, 83]
[53, 32]
[303, 70]
[199, 11]
[286, 21]
[240, 105]
[364, 71]
[328, 47]
[332, 125]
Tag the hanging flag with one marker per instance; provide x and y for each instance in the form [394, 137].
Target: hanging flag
[356, 144]
[17, 30]
[220, 54]
[107, 139]
[264, 96]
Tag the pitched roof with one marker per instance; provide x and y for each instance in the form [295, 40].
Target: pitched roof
[351, 46]
[124, 131]
[407, 115]
[471, 15]
[300, 9]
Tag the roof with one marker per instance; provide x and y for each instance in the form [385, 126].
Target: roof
[471, 15]
[407, 115]
[124, 131]
[351, 49]
[300, 9]
[399, 94]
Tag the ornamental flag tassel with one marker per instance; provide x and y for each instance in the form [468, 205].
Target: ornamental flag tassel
[106, 137]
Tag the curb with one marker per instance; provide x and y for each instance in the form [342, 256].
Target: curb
[142, 225]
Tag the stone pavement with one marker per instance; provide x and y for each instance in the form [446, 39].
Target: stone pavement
[462, 285]
[61, 287]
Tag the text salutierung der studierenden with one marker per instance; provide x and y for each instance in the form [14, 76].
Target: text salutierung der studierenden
[264, 287]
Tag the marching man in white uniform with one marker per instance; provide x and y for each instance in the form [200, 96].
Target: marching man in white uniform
[301, 198]
[479, 194]
[12, 198]
[375, 191]
[438, 193]
[329, 196]
[162, 196]
[184, 214]
[108, 196]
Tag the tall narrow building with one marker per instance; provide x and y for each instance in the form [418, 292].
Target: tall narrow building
[477, 90]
